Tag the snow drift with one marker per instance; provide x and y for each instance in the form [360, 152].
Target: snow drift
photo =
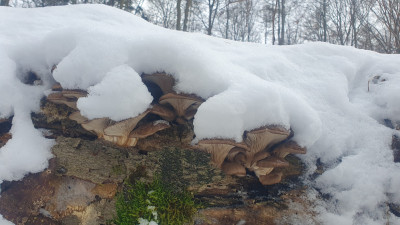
[319, 90]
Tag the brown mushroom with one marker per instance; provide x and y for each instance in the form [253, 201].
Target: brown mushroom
[234, 152]
[270, 179]
[74, 94]
[183, 105]
[261, 138]
[218, 148]
[119, 132]
[164, 81]
[146, 130]
[77, 116]
[58, 98]
[233, 168]
[96, 126]
[56, 87]
[289, 147]
[265, 166]
[163, 112]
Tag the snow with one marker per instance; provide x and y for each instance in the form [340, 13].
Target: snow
[318, 90]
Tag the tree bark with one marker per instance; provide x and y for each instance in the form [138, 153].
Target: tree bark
[187, 10]
[283, 15]
[178, 14]
[325, 25]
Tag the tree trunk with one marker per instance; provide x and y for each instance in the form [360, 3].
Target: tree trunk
[273, 22]
[325, 25]
[187, 10]
[227, 21]
[283, 15]
[178, 14]
[4, 2]
[279, 20]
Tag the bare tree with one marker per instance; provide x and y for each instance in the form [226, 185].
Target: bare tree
[388, 13]
[162, 12]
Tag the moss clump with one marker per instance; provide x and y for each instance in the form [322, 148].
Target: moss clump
[141, 203]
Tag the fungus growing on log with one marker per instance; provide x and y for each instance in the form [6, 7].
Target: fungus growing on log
[254, 153]
[164, 81]
[97, 126]
[58, 98]
[119, 132]
[184, 106]
[270, 179]
[66, 97]
[146, 130]
[77, 116]
[163, 112]
[265, 166]
[218, 148]
[287, 148]
[233, 168]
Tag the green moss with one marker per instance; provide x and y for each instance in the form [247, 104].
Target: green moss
[154, 202]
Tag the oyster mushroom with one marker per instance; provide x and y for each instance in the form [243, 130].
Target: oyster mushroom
[119, 132]
[164, 81]
[218, 148]
[97, 126]
[163, 112]
[74, 94]
[265, 166]
[233, 168]
[56, 87]
[185, 106]
[271, 178]
[262, 138]
[146, 130]
[289, 147]
[77, 116]
[58, 98]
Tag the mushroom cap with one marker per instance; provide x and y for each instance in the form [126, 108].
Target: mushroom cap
[56, 87]
[181, 102]
[77, 116]
[233, 168]
[118, 132]
[270, 179]
[164, 81]
[259, 156]
[149, 129]
[218, 148]
[272, 162]
[290, 147]
[96, 125]
[240, 158]
[233, 152]
[58, 98]
[261, 138]
[163, 111]
[124, 127]
[74, 93]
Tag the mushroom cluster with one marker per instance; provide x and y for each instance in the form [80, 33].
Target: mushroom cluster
[262, 150]
[170, 105]
[124, 133]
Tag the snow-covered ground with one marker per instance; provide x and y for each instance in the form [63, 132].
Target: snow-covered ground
[318, 90]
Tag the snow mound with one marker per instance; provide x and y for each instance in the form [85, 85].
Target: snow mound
[333, 98]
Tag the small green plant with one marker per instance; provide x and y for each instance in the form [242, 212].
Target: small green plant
[154, 203]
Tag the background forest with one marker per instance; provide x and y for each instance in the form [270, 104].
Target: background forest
[365, 24]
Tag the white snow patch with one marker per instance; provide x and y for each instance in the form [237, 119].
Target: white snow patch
[120, 95]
